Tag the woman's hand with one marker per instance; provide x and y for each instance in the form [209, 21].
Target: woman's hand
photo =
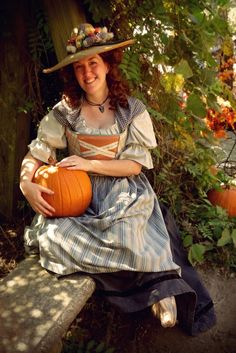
[75, 163]
[33, 193]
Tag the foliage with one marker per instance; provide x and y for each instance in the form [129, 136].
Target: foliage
[39, 88]
[86, 347]
[214, 233]
[75, 342]
[173, 68]
[39, 40]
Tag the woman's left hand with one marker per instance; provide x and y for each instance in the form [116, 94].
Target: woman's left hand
[74, 163]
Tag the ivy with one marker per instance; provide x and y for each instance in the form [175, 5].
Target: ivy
[196, 253]
[39, 40]
[100, 10]
[183, 69]
[196, 106]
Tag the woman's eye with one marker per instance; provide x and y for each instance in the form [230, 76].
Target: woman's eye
[77, 67]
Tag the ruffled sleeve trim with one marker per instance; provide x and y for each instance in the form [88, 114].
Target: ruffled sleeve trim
[51, 136]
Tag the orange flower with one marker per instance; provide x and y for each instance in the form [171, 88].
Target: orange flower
[220, 121]
[220, 134]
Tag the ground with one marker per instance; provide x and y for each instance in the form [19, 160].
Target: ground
[140, 332]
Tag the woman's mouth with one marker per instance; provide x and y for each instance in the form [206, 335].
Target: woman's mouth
[90, 81]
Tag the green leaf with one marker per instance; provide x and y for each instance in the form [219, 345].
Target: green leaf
[184, 69]
[99, 9]
[100, 347]
[208, 76]
[110, 350]
[196, 106]
[233, 236]
[209, 246]
[225, 238]
[187, 241]
[157, 116]
[196, 253]
[212, 102]
[90, 345]
[198, 16]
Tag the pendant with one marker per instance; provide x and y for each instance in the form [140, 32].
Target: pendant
[101, 108]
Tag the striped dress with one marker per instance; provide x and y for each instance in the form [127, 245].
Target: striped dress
[122, 239]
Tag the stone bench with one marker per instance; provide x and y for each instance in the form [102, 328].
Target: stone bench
[36, 308]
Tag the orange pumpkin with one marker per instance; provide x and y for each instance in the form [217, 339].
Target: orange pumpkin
[72, 189]
[225, 198]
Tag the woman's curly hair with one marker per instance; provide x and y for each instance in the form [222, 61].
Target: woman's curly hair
[118, 87]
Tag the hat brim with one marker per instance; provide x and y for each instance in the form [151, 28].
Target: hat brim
[96, 49]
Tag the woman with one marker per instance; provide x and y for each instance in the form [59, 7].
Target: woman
[121, 239]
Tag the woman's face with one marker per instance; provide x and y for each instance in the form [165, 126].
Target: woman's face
[91, 74]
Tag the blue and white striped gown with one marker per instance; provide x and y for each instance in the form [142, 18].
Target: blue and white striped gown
[123, 228]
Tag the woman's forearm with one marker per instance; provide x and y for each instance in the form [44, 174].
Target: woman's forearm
[116, 168]
[28, 167]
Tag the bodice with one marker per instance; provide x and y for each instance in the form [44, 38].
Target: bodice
[101, 147]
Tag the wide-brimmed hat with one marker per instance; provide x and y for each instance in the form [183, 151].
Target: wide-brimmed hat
[85, 41]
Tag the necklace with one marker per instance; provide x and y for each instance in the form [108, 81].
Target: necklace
[100, 106]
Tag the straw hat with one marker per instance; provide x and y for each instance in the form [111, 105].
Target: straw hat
[85, 41]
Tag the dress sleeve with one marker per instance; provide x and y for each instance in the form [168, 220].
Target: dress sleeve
[140, 139]
[50, 136]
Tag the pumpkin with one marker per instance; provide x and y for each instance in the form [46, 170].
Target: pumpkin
[225, 198]
[72, 189]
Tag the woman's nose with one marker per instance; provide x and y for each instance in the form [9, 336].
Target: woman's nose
[87, 70]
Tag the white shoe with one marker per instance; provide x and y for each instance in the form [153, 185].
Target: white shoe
[166, 311]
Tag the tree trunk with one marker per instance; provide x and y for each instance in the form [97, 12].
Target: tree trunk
[14, 125]
[63, 15]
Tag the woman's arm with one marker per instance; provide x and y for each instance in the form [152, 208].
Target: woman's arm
[116, 168]
[31, 191]
[28, 168]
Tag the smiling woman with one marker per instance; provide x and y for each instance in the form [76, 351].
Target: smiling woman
[91, 75]
[121, 239]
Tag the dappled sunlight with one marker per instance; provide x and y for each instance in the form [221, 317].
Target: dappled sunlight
[34, 302]
[19, 281]
[28, 166]
[21, 346]
[63, 297]
[44, 290]
[35, 313]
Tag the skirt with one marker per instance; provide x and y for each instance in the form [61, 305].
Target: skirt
[132, 291]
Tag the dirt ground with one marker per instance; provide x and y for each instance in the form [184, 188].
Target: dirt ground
[140, 332]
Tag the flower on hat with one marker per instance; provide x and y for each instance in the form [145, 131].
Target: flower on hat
[85, 36]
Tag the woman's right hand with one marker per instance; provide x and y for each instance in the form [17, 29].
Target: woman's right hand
[33, 194]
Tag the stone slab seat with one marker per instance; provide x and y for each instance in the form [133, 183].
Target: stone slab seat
[36, 308]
